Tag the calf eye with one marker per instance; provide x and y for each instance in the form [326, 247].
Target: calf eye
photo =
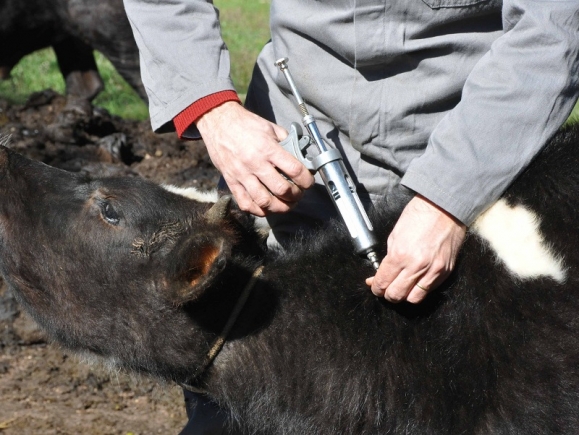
[109, 213]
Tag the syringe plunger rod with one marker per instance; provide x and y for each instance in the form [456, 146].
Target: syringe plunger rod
[282, 64]
[337, 181]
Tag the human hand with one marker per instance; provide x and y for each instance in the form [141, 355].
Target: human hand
[422, 250]
[245, 149]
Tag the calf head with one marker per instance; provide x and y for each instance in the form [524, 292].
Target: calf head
[116, 266]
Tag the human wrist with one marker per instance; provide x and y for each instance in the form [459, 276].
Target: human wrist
[194, 112]
[214, 117]
[435, 207]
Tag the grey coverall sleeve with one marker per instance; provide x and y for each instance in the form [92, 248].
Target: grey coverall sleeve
[513, 101]
[181, 47]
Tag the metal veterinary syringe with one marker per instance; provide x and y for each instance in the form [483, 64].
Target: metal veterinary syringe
[334, 175]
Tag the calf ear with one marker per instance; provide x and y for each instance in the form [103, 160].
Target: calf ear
[206, 257]
[204, 262]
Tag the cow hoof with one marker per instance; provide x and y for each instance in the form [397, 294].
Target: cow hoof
[76, 107]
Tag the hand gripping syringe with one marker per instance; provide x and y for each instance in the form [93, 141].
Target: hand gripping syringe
[334, 175]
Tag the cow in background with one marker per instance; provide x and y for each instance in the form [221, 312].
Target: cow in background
[74, 28]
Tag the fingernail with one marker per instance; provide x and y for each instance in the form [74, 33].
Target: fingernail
[377, 292]
[414, 299]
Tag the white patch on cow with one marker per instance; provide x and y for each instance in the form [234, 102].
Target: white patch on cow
[193, 193]
[513, 233]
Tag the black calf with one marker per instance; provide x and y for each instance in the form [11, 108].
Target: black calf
[147, 279]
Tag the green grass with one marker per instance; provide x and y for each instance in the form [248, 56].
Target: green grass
[574, 118]
[34, 72]
[118, 97]
[245, 30]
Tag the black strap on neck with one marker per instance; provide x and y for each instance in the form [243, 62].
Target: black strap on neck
[220, 339]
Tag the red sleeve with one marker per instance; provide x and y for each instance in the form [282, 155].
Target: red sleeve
[200, 107]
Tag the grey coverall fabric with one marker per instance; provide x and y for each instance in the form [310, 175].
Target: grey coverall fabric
[450, 98]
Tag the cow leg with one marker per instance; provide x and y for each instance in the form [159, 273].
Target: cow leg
[127, 66]
[106, 27]
[4, 72]
[79, 69]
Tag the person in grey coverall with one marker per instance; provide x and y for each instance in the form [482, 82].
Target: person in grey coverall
[436, 105]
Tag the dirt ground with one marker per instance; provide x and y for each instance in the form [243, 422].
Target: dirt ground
[42, 388]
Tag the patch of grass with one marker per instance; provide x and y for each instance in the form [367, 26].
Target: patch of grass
[574, 117]
[118, 97]
[33, 73]
[245, 30]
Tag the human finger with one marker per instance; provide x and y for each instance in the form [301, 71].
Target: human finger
[293, 169]
[430, 281]
[263, 199]
[278, 182]
[243, 199]
[402, 285]
[279, 131]
[385, 275]
[289, 165]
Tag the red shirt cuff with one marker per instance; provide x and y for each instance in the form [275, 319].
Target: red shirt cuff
[200, 107]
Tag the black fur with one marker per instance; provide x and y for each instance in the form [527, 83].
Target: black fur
[314, 352]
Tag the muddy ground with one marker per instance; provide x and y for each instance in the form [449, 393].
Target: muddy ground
[44, 390]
